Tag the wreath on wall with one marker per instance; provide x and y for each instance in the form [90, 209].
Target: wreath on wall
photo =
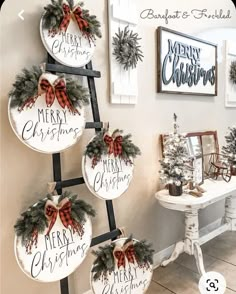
[232, 72]
[126, 48]
[30, 84]
[107, 257]
[59, 13]
[38, 217]
[104, 144]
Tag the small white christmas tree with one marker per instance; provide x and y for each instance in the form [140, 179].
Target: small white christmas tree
[230, 149]
[176, 168]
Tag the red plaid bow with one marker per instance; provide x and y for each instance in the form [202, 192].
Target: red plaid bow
[57, 90]
[77, 14]
[64, 210]
[126, 251]
[114, 145]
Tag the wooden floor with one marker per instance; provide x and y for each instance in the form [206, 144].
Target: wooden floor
[181, 277]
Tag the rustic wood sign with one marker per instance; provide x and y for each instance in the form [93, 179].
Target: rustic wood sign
[186, 65]
[47, 129]
[109, 178]
[55, 253]
[128, 276]
[71, 48]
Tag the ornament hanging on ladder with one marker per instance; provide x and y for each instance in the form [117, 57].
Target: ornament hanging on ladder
[124, 266]
[108, 163]
[46, 111]
[69, 32]
[53, 237]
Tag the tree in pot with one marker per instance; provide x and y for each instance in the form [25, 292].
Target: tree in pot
[229, 150]
[176, 168]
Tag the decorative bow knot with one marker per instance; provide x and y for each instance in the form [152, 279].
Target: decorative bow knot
[52, 91]
[114, 145]
[77, 14]
[127, 251]
[57, 90]
[64, 210]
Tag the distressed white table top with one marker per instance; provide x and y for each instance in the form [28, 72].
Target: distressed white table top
[215, 191]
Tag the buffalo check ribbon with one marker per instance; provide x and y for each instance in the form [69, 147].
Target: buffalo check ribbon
[64, 210]
[52, 91]
[57, 90]
[114, 144]
[123, 253]
[69, 14]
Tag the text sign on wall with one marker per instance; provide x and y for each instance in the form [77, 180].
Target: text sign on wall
[57, 254]
[110, 178]
[186, 65]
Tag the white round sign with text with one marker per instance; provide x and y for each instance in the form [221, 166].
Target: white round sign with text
[109, 178]
[56, 254]
[70, 47]
[128, 278]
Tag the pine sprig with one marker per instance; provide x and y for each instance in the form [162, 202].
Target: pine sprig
[104, 262]
[229, 150]
[26, 86]
[77, 94]
[126, 48]
[97, 147]
[232, 72]
[54, 15]
[32, 219]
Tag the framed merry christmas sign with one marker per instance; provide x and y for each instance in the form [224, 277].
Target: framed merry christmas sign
[186, 65]
[53, 237]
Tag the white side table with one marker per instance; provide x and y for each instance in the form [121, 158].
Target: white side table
[215, 191]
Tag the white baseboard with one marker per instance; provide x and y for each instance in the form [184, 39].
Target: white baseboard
[165, 253]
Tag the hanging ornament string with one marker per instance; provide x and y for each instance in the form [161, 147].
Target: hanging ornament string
[57, 90]
[127, 251]
[114, 144]
[64, 211]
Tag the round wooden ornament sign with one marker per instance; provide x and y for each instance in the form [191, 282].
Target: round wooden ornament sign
[52, 253]
[106, 171]
[68, 33]
[47, 122]
[124, 271]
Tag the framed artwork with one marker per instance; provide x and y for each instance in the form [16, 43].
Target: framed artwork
[186, 65]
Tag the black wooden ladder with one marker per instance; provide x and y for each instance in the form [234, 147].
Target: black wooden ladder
[88, 72]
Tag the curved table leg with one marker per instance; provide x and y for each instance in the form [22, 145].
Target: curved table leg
[199, 258]
[179, 248]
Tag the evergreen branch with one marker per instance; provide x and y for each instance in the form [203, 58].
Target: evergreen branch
[54, 15]
[97, 147]
[25, 86]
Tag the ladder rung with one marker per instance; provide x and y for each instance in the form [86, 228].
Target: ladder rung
[72, 70]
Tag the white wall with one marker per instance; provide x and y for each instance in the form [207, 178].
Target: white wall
[25, 172]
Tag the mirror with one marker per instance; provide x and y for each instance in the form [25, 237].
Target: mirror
[201, 146]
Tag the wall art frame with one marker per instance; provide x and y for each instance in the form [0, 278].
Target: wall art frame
[203, 80]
